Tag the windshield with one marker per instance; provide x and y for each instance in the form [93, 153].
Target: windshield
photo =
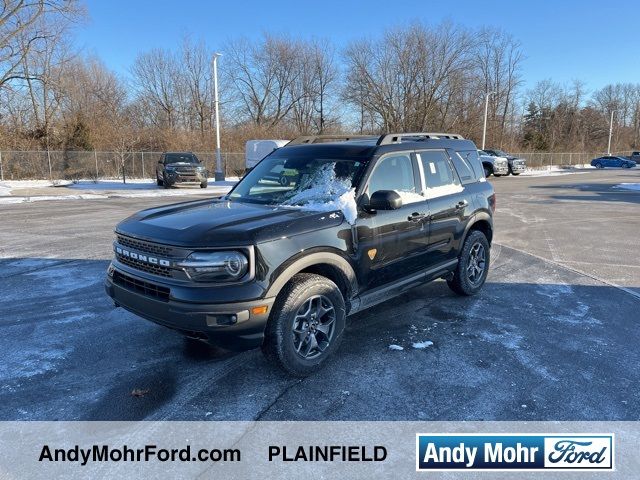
[499, 153]
[297, 181]
[180, 158]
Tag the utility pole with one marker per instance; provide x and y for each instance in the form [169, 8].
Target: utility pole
[486, 110]
[219, 176]
[610, 131]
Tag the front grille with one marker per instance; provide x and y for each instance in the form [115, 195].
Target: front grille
[145, 267]
[143, 246]
[145, 288]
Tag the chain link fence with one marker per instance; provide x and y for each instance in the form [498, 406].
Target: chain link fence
[75, 165]
[541, 160]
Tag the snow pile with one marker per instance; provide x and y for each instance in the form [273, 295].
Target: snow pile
[5, 190]
[323, 192]
[422, 345]
[629, 186]
[395, 347]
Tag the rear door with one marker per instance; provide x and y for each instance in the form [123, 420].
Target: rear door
[393, 243]
[449, 204]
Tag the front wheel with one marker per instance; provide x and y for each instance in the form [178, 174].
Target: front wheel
[487, 171]
[515, 174]
[203, 184]
[473, 265]
[306, 324]
[599, 165]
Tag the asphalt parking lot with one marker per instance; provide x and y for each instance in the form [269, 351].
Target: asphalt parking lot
[554, 335]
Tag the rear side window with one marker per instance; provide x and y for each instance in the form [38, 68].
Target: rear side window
[470, 160]
[439, 175]
[464, 168]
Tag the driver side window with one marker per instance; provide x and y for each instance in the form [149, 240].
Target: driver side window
[396, 172]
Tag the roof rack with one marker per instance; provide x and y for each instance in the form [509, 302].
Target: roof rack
[323, 138]
[397, 137]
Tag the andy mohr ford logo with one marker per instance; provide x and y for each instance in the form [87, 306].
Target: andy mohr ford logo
[514, 452]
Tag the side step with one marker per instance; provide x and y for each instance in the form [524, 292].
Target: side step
[389, 291]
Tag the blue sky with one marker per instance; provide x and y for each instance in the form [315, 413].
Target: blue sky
[596, 41]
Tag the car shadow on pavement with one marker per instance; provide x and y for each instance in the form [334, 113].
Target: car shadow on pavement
[535, 344]
[604, 192]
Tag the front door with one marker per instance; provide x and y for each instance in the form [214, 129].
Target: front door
[393, 243]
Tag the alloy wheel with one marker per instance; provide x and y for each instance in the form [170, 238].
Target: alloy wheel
[477, 263]
[314, 327]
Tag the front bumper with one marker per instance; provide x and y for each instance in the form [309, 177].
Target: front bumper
[232, 326]
[500, 169]
[518, 168]
[185, 177]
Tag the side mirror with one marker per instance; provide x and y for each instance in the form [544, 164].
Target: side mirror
[385, 200]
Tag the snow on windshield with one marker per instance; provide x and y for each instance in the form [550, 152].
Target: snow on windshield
[323, 192]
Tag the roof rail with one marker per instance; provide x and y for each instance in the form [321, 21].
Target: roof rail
[397, 137]
[323, 138]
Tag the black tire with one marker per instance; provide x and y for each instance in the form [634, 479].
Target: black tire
[160, 182]
[165, 183]
[286, 348]
[515, 174]
[487, 171]
[463, 283]
[599, 165]
[203, 184]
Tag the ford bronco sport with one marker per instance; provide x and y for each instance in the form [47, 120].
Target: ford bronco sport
[360, 221]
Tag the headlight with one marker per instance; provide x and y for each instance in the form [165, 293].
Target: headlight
[216, 266]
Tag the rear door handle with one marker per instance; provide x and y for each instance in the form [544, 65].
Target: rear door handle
[416, 217]
[461, 204]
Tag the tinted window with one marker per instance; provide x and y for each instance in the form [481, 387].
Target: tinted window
[462, 162]
[396, 173]
[439, 175]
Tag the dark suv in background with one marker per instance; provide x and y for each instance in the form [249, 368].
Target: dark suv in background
[516, 165]
[180, 167]
[282, 266]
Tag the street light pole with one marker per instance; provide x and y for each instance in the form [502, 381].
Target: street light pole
[486, 110]
[219, 175]
[610, 132]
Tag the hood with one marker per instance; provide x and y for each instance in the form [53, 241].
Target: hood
[220, 222]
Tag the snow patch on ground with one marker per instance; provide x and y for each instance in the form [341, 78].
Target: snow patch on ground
[629, 186]
[395, 347]
[323, 192]
[422, 345]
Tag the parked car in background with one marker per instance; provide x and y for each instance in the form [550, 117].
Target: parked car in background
[493, 165]
[635, 157]
[180, 167]
[516, 165]
[612, 161]
[256, 150]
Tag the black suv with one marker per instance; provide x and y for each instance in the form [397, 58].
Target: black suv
[180, 167]
[281, 266]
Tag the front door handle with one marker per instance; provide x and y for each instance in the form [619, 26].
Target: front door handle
[416, 217]
[461, 204]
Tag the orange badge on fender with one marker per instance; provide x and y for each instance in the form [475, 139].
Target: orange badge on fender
[372, 253]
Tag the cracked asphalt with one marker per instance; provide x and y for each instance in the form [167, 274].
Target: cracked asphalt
[553, 336]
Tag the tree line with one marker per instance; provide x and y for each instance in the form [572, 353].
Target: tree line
[416, 77]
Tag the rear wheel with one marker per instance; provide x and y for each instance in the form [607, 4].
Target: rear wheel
[473, 265]
[599, 165]
[306, 324]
